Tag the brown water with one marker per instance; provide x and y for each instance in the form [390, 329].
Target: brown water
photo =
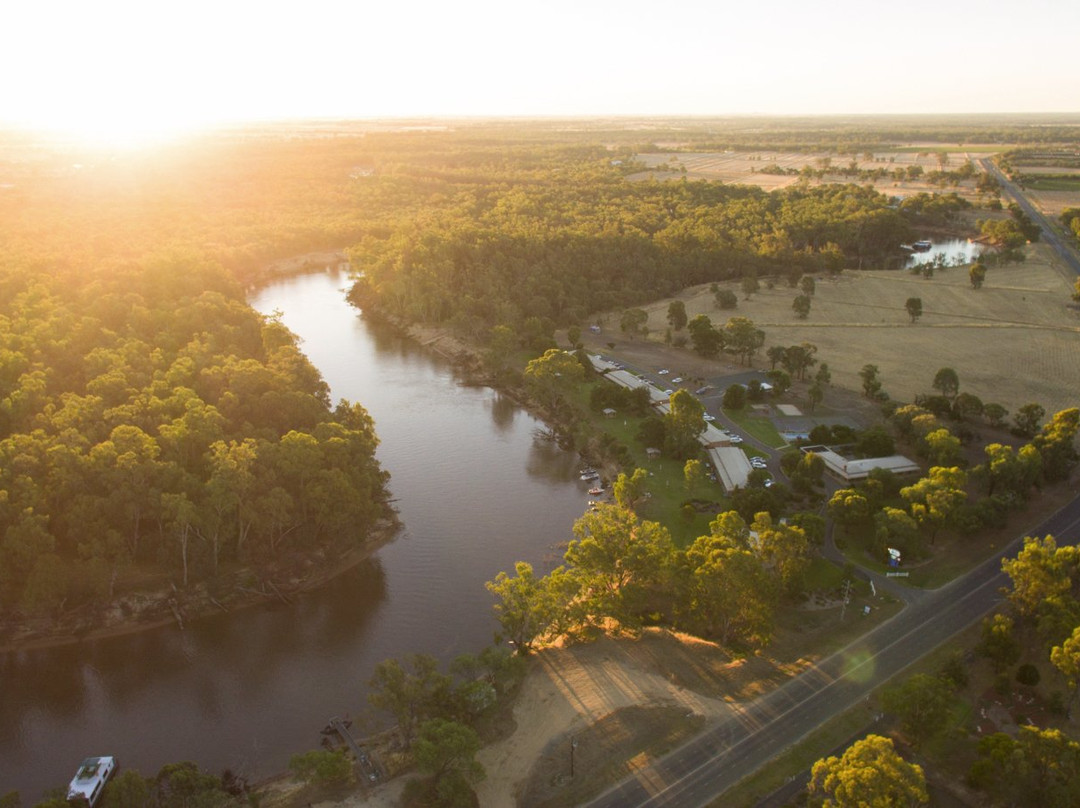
[475, 491]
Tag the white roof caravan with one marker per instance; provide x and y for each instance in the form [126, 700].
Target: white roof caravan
[89, 781]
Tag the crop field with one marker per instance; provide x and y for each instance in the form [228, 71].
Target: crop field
[1014, 341]
[1052, 188]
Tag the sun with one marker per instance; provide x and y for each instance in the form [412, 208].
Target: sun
[116, 130]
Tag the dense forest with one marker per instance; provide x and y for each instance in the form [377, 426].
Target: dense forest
[150, 417]
[578, 239]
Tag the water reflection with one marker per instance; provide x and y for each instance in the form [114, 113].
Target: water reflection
[502, 410]
[949, 253]
[548, 461]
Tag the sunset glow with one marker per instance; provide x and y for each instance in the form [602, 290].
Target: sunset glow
[125, 72]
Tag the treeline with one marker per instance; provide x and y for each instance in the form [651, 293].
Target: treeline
[247, 200]
[579, 239]
[151, 420]
[727, 584]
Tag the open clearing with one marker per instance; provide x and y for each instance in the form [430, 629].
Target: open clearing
[1014, 341]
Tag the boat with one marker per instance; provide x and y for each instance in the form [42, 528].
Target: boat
[596, 491]
[590, 475]
[922, 246]
[89, 781]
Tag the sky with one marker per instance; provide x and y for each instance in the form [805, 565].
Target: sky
[116, 69]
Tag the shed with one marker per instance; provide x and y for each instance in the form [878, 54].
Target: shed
[732, 466]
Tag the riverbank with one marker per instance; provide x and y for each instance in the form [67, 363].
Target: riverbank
[145, 610]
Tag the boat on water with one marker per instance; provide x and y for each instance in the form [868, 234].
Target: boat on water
[89, 781]
[596, 491]
[922, 246]
[591, 475]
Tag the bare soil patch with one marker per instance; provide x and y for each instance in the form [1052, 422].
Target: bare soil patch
[1053, 203]
[637, 734]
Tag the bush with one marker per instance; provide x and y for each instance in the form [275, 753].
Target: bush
[321, 767]
[955, 670]
[1027, 674]
[1056, 703]
[726, 299]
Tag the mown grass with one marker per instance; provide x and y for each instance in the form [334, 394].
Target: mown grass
[757, 427]
[667, 481]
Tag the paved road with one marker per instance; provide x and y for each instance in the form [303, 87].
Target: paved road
[707, 766]
[1064, 251]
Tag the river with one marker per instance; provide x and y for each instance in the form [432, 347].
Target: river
[475, 492]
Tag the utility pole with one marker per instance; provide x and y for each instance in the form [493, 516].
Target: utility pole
[847, 598]
[573, 746]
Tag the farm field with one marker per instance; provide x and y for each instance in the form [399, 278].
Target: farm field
[1046, 191]
[744, 168]
[1053, 202]
[1015, 341]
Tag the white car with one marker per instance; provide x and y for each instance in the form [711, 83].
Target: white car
[757, 461]
[676, 380]
[663, 372]
[710, 418]
[736, 439]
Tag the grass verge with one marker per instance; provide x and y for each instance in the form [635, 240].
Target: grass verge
[757, 427]
[798, 758]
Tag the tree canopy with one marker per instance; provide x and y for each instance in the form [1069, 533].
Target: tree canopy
[870, 772]
[151, 416]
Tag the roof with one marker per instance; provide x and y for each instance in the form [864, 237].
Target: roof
[860, 469]
[92, 773]
[600, 364]
[626, 379]
[714, 435]
[732, 466]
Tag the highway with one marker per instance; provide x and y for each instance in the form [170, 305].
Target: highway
[1064, 251]
[704, 768]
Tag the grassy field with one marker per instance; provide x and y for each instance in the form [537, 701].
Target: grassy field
[666, 486]
[758, 427]
[1065, 183]
[1014, 341]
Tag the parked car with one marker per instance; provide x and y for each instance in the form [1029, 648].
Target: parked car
[663, 371]
[710, 418]
[676, 380]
